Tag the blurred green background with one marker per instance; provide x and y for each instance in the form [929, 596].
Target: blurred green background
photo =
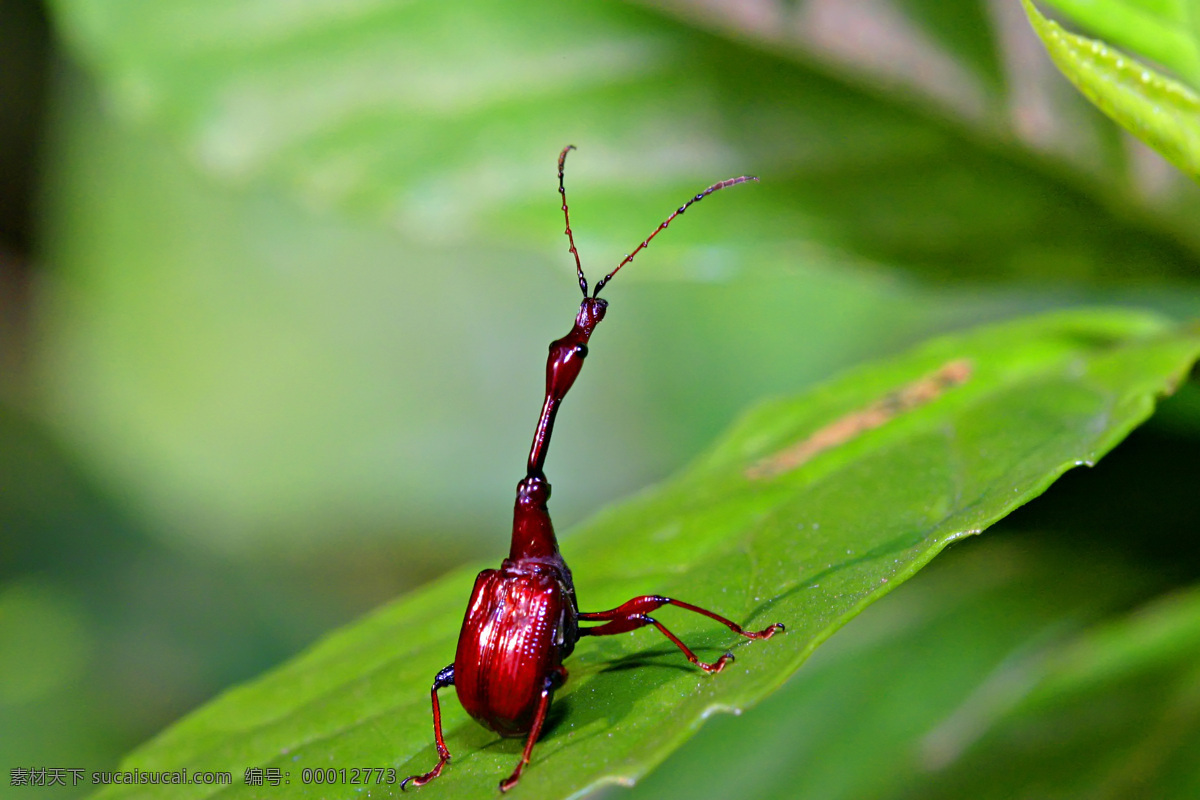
[276, 282]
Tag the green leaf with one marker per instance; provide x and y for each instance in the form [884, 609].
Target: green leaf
[1158, 110]
[806, 512]
[1164, 31]
[1003, 672]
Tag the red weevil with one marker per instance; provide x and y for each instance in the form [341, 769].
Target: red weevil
[522, 619]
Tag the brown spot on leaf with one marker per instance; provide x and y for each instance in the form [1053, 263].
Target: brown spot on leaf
[924, 390]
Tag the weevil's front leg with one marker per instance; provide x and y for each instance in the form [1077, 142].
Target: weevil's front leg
[555, 679]
[633, 614]
[443, 679]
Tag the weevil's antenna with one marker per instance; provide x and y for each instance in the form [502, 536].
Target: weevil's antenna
[723, 184]
[562, 162]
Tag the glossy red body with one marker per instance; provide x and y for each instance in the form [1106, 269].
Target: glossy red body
[522, 619]
[520, 624]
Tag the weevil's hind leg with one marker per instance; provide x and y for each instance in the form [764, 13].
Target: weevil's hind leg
[553, 681]
[634, 620]
[441, 680]
[633, 614]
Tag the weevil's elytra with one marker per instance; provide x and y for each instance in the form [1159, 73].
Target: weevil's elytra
[522, 620]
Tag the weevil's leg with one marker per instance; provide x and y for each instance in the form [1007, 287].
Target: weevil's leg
[441, 680]
[553, 681]
[653, 602]
[634, 614]
[633, 620]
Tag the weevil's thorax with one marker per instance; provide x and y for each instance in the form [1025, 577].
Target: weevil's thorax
[520, 624]
[533, 537]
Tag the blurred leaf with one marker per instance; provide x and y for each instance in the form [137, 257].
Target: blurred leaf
[1115, 713]
[443, 122]
[250, 370]
[260, 376]
[45, 642]
[1158, 110]
[971, 63]
[106, 634]
[808, 511]
[964, 29]
[1164, 31]
[946, 58]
